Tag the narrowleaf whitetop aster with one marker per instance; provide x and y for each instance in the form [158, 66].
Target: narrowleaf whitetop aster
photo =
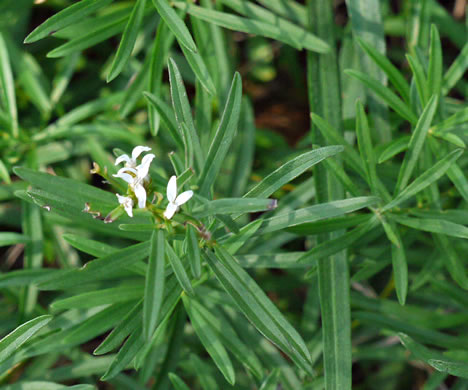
[175, 201]
[127, 203]
[130, 162]
[136, 177]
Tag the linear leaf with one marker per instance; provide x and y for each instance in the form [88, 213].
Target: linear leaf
[127, 42]
[12, 341]
[154, 287]
[290, 170]
[393, 148]
[193, 251]
[128, 324]
[434, 358]
[315, 213]
[7, 86]
[425, 179]
[251, 26]
[100, 297]
[210, 340]
[440, 226]
[72, 14]
[385, 94]
[167, 116]
[435, 68]
[416, 144]
[179, 270]
[223, 137]
[294, 32]
[234, 205]
[176, 24]
[394, 75]
[102, 268]
[125, 355]
[256, 306]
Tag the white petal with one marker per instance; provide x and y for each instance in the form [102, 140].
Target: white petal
[140, 193]
[143, 168]
[121, 158]
[137, 150]
[122, 199]
[172, 189]
[124, 176]
[170, 210]
[183, 197]
[129, 209]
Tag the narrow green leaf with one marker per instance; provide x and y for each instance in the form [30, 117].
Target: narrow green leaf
[451, 123]
[435, 359]
[11, 342]
[100, 297]
[440, 226]
[350, 156]
[225, 332]
[178, 383]
[233, 242]
[253, 302]
[167, 116]
[86, 245]
[99, 269]
[127, 42]
[72, 14]
[385, 94]
[176, 24]
[154, 287]
[193, 251]
[330, 225]
[210, 340]
[7, 86]
[198, 66]
[83, 41]
[435, 70]
[365, 147]
[456, 70]
[416, 144]
[419, 79]
[223, 137]
[393, 148]
[271, 381]
[234, 205]
[183, 114]
[399, 263]
[295, 33]
[394, 75]
[7, 239]
[253, 26]
[131, 347]
[315, 213]
[425, 179]
[290, 170]
[337, 244]
[179, 270]
[128, 324]
[25, 277]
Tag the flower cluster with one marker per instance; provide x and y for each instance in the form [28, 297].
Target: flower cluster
[137, 177]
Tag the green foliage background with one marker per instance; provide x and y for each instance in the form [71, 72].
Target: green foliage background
[351, 114]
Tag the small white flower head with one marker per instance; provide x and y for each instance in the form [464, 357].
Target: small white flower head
[175, 201]
[130, 162]
[135, 177]
[127, 203]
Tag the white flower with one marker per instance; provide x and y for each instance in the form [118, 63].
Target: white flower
[127, 203]
[135, 177]
[130, 162]
[175, 201]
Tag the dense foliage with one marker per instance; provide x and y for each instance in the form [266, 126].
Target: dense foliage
[243, 194]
